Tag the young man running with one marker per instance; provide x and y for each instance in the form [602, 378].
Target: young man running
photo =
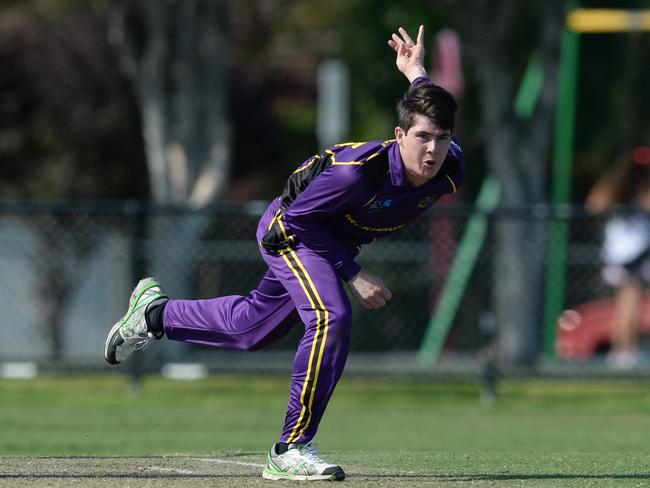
[332, 204]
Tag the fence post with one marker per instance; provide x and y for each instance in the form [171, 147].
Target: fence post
[559, 229]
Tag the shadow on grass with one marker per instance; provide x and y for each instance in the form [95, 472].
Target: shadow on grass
[505, 477]
[123, 475]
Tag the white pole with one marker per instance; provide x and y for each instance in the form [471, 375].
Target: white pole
[333, 122]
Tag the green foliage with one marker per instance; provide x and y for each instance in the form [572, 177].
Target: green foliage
[365, 28]
[613, 103]
[68, 121]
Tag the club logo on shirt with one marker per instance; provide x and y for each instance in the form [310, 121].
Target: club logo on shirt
[427, 201]
[378, 205]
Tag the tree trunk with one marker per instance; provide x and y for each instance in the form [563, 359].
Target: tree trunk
[517, 153]
[175, 55]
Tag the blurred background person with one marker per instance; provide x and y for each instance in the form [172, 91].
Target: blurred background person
[624, 193]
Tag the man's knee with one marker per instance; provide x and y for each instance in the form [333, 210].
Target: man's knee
[339, 323]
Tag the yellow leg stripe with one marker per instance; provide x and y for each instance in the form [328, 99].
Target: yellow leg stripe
[313, 348]
[318, 344]
[322, 347]
[284, 231]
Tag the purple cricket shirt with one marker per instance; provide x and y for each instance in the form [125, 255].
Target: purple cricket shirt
[352, 194]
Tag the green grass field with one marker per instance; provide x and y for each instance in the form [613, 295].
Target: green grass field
[91, 431]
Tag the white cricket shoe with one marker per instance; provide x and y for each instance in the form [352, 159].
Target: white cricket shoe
[300, 462]
[130, 333]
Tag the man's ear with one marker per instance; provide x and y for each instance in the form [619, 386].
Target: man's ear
[399, 134]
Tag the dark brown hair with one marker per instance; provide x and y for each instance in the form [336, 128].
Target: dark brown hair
[429, 100]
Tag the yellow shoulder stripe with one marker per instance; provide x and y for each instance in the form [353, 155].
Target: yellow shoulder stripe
[353, 145]
[303, 168]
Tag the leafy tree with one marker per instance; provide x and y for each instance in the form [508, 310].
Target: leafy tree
[66, 115]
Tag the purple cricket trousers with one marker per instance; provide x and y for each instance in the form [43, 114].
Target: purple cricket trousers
[299, 284]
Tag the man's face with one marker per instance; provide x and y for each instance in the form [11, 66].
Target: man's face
[423, 149]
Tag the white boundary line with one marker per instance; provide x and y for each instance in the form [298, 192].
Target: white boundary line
[188, 472]
[228, 461]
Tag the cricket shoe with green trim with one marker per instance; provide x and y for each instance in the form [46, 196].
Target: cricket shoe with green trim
[300, 462]
[130, 333]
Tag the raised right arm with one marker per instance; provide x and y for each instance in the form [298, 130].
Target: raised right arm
[410, 55]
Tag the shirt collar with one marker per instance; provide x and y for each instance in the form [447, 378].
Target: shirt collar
[396, 166]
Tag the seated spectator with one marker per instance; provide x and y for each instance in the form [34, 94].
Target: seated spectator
[624, 192]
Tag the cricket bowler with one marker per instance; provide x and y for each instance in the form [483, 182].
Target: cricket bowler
[309, 236]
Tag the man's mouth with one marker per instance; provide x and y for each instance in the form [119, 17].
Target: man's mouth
[429, 162]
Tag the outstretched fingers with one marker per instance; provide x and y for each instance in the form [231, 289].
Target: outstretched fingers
[395, 42]
[410, 55]
[407, 39]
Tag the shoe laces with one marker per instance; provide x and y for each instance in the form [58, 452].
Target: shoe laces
[309, 451]
[143, 343]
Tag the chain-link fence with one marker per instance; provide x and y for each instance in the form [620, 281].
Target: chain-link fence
[66, 272]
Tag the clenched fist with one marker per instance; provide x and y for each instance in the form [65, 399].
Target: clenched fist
[369, 290]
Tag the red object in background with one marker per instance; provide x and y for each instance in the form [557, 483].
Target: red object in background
[447, 65]
[447, 72]
[641, 155]
[586, 329]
